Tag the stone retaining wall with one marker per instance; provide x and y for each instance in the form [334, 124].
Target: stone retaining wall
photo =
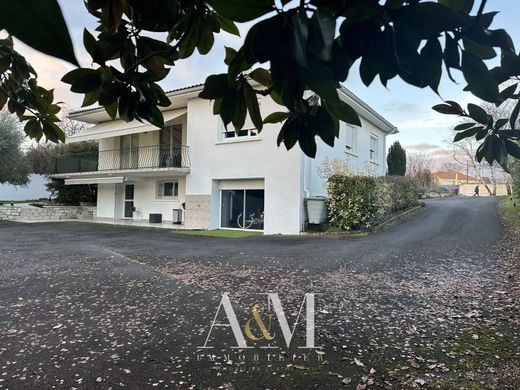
[47, 213]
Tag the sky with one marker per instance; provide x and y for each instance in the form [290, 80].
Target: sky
[420, 128]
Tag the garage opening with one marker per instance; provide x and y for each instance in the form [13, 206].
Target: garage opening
[242, 209]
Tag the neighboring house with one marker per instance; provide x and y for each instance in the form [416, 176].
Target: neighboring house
[465, 185]
[452, 178]
[219, 179]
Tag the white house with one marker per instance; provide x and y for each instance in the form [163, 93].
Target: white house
[217, 178]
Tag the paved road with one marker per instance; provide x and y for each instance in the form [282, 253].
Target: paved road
[98, 306]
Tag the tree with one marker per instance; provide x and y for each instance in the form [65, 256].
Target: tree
[308, 48]
[13, 165]
[466, 148]
[419, 166]
[396, 160]
[41, 158]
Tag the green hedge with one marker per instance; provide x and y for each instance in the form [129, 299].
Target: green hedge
[359, 202]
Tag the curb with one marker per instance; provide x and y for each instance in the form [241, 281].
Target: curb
[398, 217]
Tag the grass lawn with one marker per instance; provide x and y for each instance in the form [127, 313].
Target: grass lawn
[510, 211]
[219, 233]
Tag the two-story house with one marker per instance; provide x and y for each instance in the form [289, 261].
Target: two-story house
[218, 178]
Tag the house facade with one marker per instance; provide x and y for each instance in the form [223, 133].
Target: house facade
[197, 173]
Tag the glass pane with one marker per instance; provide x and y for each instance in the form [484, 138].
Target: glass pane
[232, 209]
[168, 189]
[254, 210]
[129, 191]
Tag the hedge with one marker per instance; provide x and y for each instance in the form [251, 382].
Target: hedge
[359, 202]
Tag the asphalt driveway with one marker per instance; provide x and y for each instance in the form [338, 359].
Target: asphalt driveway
[428, 303]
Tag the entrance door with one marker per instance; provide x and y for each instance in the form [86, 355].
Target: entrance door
[129, 200]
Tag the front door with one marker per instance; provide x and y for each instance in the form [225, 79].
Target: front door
[129, 200]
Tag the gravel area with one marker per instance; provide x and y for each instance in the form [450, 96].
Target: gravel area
[432, 302]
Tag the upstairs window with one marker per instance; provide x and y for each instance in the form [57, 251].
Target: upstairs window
[248, 132]
[374, 148]
[350, 139]
[230, 133]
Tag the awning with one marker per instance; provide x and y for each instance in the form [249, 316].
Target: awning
[95, 180]
[119, 127]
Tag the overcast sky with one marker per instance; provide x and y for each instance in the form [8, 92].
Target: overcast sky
[421, 129]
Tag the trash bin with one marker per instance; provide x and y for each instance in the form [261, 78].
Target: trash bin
[177, 216]
[155, 218]
[316, 207]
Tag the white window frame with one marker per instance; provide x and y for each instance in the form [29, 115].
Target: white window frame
[248, 126]
[351, 149]
[175, 189]
[231, 130]
[375, 138]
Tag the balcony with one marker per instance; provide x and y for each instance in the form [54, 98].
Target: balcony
[140, 158]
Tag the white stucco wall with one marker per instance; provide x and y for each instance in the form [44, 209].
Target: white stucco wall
[106, 201]
[213, 160]
[146, 200]
[359, 160]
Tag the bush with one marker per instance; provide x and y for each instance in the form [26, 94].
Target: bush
[358, 202]
[352, 201]
[398, 193]
[73, 194]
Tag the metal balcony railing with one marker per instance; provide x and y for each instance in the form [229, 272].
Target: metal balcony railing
[156, 156]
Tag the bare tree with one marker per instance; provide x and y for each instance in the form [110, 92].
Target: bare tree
[464, 153]
[451, 166]
[68, 125]
[419, 166]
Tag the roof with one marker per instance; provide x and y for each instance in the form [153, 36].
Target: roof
[170, 93]
[452, 176]
[373, 115]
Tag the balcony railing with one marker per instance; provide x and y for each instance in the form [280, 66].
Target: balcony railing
[156, 156]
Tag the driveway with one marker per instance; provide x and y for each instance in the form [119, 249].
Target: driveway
[428, 303]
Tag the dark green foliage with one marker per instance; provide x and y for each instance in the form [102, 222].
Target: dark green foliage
[359, 202]
[396, 160]
[304, 46]
[14, 167]
[352, 201]
[41, 159]
[71, 195]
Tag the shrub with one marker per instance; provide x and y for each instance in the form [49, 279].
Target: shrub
[400, 193]
[352, 201]
[358, 202]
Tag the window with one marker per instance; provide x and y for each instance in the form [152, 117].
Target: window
[374, 146]
[168, 189]
[350, 139]
[248, 131]
[231, 133]
[242, 209]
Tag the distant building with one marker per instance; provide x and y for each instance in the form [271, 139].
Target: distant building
[442, 178]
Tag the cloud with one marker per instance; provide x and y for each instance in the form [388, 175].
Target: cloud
[422, 147]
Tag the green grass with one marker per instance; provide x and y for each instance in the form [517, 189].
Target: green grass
[511, 212]
[223, 233]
